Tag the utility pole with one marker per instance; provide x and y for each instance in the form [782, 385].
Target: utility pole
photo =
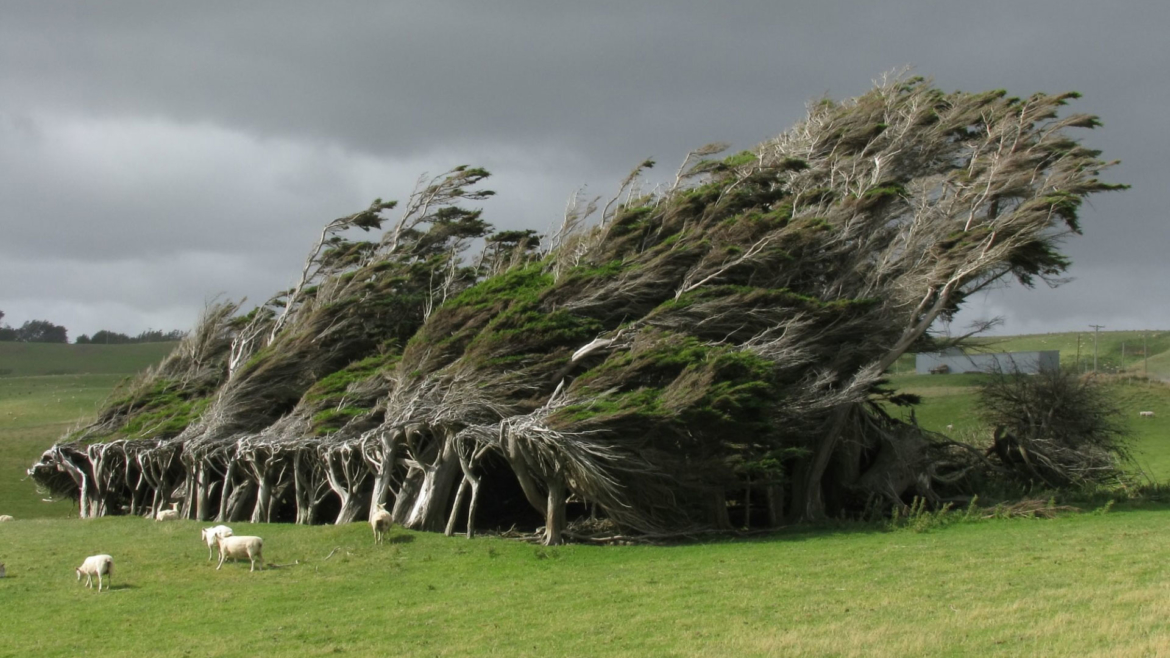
[1078, 352]
[1096, 330]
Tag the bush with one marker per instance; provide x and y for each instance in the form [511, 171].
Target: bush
[1055, 428]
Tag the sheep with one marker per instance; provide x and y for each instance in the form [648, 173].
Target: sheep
[1146, 414]
[238, 547]
[950, 428]
[96, 565]
[209, 536]
[171, 514]
[380, 521]
[5, 517]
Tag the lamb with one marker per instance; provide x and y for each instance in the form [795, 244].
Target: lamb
[1143, 414]
[238, 547]
[210, 536]
[171, 514]
[380, 521]
[96, 565]
[5, 517]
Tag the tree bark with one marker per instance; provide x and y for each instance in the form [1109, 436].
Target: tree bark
[404, 502]
[435, 491]
[463, 486]
[554, 519]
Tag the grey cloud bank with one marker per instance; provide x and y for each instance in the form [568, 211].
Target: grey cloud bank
[153, 156]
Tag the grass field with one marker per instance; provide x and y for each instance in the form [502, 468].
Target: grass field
[1084, 585]
[45, 390]
[37, 359]
[1090, 584]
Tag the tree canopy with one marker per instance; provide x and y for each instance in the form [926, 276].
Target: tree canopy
[666, 362]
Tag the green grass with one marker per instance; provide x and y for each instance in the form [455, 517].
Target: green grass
[1085, 584]
[32, 359]
[38, 404]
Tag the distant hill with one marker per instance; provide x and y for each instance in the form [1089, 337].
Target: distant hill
[39, 359]
[1117, 351]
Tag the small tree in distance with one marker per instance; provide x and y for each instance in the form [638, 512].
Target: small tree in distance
[1055, 428]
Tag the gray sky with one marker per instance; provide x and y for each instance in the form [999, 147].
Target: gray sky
[156, 155]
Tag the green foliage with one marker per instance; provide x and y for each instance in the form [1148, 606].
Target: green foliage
[161, 410]
[331, 388]
[329, 421]
[740, 159]
[520, 284]
[528, 326]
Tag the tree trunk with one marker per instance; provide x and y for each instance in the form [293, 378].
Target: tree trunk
[404, 502]
[472, 507]
[351, 506]
[438, 481]
[463, 485]
[775, 495]
[384, 471]
[719, 510]
[263, 499]
[238, 504]
[747, 505]
[524, 476]
[810, 503]
[554, 518]
[229, 489]
[203, 492]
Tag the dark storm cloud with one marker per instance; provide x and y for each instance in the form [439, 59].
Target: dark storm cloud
[155, 154]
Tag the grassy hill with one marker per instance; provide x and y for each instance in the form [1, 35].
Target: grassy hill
[44, 390]
[42, 359]
[1117, 351]
[1085, 585]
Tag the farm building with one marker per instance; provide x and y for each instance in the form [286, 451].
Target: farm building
[956, 360]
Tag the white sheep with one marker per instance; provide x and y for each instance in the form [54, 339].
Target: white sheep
[210, 536]
[239, 547]
[96, 565]
[380, 521]
[171, 514]
[5, 517]
[1146, 414]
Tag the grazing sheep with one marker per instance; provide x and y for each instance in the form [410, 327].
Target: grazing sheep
[171, 514]
[96, 565]
[1146, 414]
[239, 547]
[5, 517]
[950, 428]
[380, 521]
[210, 536]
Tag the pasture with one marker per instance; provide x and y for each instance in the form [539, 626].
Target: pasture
[1094, 583]
[1087, 584]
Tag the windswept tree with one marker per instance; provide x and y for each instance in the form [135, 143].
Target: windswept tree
[698, 353]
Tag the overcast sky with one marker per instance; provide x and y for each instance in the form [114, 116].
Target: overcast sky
[156, 155]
